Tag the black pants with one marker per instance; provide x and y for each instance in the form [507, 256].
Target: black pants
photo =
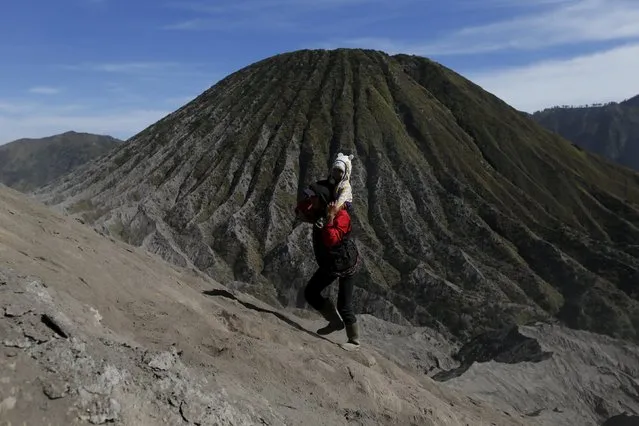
[319, 281]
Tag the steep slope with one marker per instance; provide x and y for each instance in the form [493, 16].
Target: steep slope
[468, 215]
[98, 332]
[27, 164]
[610, 130]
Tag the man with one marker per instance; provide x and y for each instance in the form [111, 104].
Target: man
[337, 258]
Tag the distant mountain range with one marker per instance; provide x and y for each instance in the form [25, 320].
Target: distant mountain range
[26, 164]
[610, 130]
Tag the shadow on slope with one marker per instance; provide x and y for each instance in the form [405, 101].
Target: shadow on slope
[622, 420]
[248, 305]
[507, 346]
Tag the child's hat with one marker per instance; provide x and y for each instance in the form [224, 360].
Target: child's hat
[340, 161]
[339, 164]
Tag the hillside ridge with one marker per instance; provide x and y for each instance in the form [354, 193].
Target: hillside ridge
[30, 163]
[609, 130]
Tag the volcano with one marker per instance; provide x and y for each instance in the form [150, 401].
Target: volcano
[469, 215]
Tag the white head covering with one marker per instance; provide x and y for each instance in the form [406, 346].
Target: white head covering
[343, 162]
[339, 164]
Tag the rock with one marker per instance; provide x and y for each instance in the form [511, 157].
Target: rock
[39, 289]
[16, 310]
[107, 381]
[37, 332]
[369, 360]
[18, 343]
[162, 361]
[364, 358]
[8, 404]
[103, 410]
[55, 388]
[174, 400]
[193, 410]
[213, 409]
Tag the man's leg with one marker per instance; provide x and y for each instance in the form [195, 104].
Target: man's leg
[345, 300]
[312, 293]
[345, 307]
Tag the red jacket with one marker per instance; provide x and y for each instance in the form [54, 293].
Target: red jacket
[332, 234]
[335, 250]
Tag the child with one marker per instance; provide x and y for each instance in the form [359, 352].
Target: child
[340, 176]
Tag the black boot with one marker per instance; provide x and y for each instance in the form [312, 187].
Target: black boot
[331, 315]
[352, 332]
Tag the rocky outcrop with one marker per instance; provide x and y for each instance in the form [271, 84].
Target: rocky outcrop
[561, 377]
[99, 380]
[504, 346]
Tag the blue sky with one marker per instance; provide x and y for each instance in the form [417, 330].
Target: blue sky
[115, 66]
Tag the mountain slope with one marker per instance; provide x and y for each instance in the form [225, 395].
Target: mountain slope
[94, 332]
[26, 164]
[468, 215]
[610, 130]
[98, 332]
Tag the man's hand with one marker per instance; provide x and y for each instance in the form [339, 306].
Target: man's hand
[330, 217]
[332, 211]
